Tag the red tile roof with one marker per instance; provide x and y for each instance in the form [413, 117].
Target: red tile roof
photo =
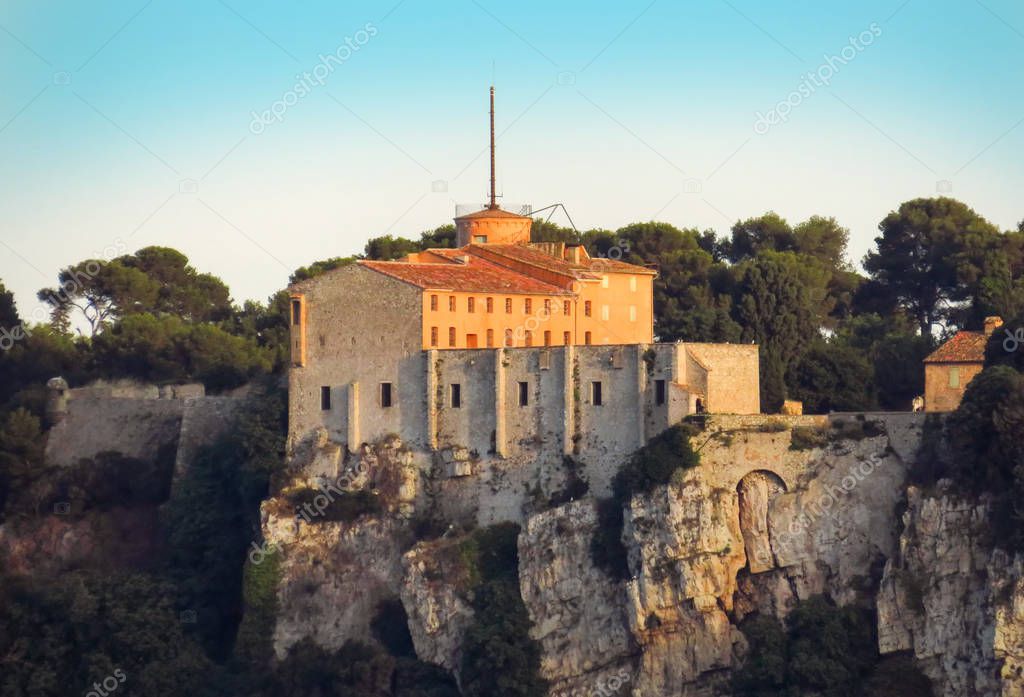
[964, 347]
[539, 258]
[492, 213]
[477, 276]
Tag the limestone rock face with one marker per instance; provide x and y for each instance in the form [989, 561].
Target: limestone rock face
[333, 576]
[577, 610]
[953, 600]
[438, 613]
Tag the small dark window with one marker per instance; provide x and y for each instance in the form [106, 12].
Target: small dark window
[586, 308]
[433, 303]
[547, 337]
[490, 304]
[524, 394]
[596, 395]
[510, 339]
[471, 304]
[386, 398]
[659, 392]
[529, 338]
[456, 395]
[566, 307]
[451, 336]
[566, 338]
[586, 338]
[323, 340]
[451, 303]
[547, 306]
[325, 398]
[296, 312]
[433, 336]
[490, 338]
[528, 305]
[508, 305]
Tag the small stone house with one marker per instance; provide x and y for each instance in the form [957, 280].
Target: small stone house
[952, 366]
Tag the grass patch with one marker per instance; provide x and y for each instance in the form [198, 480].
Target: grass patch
[809, 437]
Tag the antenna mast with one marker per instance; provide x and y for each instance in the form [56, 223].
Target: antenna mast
[494, 203]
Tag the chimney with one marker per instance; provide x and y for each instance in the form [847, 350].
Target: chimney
[992, 324]
[572, 253]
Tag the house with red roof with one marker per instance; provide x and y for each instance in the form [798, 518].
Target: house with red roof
[952, 366]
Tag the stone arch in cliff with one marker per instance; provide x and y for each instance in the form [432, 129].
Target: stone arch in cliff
[756, 491]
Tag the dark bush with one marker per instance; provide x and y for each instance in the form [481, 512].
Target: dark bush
[390, 626]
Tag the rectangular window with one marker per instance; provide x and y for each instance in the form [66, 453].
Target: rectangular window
[596, 395]
[451, 336]
[524, 394]
[632, 283]
[471, 304]
[566, 307]
[508, 306]
[325, 398]
[490, 304]
[490, 338]
[451, 303]
[323, 341]
[586, 308]
[604, 312]
[296, 312]
[433, 336]
[529, 338]
[566, 338]
[547, 337]
[528, 306]
[480, 239]
[632, 313]
[433, 303]
[386, 398]
[954, 376]
[547, 306]
[586, 338]
[456, 394]
[659, 392]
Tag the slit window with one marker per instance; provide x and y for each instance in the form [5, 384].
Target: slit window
[587, 308]
[659, 392]
[566, 307]
[524, 394]
[451, 336]
[566, 338]
[471, 304]
[433, 303]
[296, 312]
[456, 395]
[528, 305]
[386, 395]
[433, 336]
[508, 306]
[490, 304]
[547, 306]
[451, 303]
[325, 398]
[596, 393]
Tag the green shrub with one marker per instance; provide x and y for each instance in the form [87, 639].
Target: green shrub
[654, 464]
[808, 437]
[254, 644]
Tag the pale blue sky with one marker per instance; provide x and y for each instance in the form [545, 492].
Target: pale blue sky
[623, 112]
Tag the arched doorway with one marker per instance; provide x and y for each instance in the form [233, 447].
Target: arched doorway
[756, 491]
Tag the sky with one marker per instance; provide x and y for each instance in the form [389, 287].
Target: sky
[257, 137]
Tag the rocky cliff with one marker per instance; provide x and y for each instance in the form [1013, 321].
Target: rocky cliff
[779, 510]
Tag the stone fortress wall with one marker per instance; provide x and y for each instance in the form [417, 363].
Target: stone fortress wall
[135, 419]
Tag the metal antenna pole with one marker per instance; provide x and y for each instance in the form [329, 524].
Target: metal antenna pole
[494, 203]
